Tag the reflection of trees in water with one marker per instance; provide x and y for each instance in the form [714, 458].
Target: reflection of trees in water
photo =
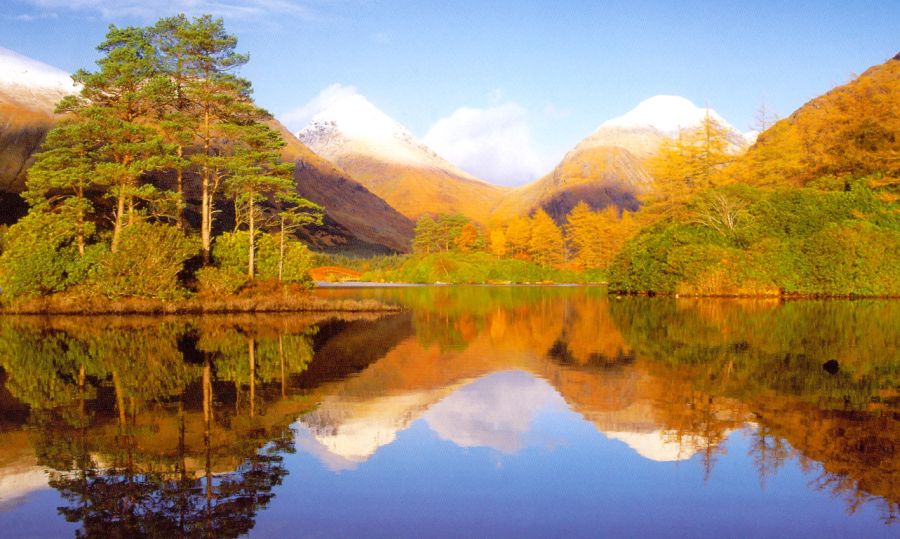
[820, 377]
[132, 450]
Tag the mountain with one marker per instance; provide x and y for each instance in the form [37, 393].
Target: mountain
[29, 91]
[385, 157]
[853, 129]
[355, 219]
[608, 167]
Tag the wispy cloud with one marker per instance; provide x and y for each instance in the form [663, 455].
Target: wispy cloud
[296, 119]
[148, 9]
[32, 17]
[495, 143]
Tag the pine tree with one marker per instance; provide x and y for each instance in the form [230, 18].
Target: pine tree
[62, 177]
[425, 239]
[256, 176]
[201, 57]
[114, 103]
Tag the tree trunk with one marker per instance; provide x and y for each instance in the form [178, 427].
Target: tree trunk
[281, 252]
[205, 198]
[179, 177]
[120, 211]
[281, 361]
[252, 231]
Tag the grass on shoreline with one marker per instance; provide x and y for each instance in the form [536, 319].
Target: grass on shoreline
[286, 300]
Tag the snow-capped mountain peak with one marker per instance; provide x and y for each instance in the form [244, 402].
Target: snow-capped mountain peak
[32, 83]
[354, 125]
[643, 128]
[667, 113]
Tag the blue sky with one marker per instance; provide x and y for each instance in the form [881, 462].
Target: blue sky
[541, 75]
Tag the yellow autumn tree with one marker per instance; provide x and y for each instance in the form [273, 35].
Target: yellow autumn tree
[596, 237]
[546, 246]
[582, 235]
[498, 244]
[518, 236]
[691, 161]
[467, 238]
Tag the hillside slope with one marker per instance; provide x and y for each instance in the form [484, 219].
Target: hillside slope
[354, 216]
[608, 167]
[851, 129]
[384, 156]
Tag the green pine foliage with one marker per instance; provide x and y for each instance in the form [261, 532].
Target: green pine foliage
[231, 250]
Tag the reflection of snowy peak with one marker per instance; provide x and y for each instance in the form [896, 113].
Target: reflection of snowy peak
[32, 84]
[353, 125]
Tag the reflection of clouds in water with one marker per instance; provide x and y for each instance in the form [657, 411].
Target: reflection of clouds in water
[495, 411]
[16, 484]
[306, 440]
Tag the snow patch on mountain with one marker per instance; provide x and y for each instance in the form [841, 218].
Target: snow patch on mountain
[667, 113]
[31, 83]
[352, 125]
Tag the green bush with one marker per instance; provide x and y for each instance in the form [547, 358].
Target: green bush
[213, 281]
[40, 257]
[147, 263]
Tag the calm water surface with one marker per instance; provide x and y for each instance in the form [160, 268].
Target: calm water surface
[476, 411]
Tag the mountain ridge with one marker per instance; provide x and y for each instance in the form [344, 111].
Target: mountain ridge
[380, 153]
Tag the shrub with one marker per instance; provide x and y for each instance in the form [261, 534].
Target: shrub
[40, 257]
[146, 264]
[213, 281]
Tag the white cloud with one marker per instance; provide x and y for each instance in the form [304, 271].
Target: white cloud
[151, 9]
[296, 119]
[493, 143]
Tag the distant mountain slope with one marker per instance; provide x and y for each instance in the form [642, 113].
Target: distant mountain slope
[608, 166]
[384, 156]
[851, 129]
[354, 216]
[600, 176]
[29, 91]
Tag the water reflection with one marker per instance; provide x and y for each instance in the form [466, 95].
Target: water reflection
[189, 427]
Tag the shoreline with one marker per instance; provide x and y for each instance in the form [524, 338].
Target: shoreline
[374, 285]
[71, 306]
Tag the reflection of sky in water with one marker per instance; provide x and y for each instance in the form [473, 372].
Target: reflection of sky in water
[505, 456]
